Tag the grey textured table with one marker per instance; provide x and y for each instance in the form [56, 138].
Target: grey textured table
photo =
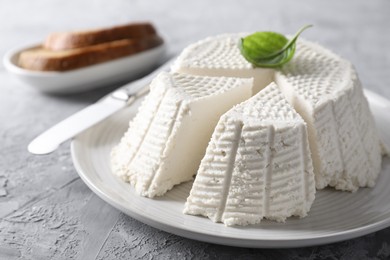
[47, 212]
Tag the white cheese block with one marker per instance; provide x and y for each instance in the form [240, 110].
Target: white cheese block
[220, 56]
[326, 91]
[168, 137]
[257, 164]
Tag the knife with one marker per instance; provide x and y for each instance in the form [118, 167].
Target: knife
[50, 140]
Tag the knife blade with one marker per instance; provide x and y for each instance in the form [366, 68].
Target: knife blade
[51, 139]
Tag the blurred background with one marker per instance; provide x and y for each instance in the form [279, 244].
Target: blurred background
[356, 30]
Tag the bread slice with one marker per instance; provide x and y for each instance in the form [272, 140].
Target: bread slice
[41, 59]
[78, 39]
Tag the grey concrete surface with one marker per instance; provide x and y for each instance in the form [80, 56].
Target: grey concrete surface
[47, 212]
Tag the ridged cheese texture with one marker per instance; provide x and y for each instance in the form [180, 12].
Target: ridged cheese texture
[327, 93]
[257, 164]
[168, 137]
[323, 88]
[220, 56]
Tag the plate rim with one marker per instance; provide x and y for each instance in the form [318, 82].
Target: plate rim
[253, 243]
[223, 240]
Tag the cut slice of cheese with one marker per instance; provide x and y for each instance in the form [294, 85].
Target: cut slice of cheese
[220, 56]
[168, 137]
[256, 166]
[326, 91]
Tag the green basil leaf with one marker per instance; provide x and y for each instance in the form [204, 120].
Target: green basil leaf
[269, 49]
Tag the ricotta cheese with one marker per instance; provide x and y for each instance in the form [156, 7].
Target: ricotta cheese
[168, 137]
[257, 164]
[323, 88]
[326, 91]
[260, 159]
[220, 56]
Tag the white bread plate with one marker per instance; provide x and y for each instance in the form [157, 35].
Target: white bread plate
[86, 78]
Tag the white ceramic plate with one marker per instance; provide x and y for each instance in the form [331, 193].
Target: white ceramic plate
[115, 71]
[334, 216]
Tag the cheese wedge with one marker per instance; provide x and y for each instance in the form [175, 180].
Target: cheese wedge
[220, 56]
[168, 137]
[256, 166]
[327, 93]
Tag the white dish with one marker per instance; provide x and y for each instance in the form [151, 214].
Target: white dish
[118, 70]
[335, 216]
